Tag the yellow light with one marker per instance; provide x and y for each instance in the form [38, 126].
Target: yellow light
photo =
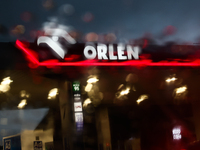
[171, 79]
[181, 89]
[142, 98]
[92, 80]
[86, 102]
[125, 92]
[52, 93]
[4, 88]
[168, 80]
[88, 87]
[6, 81]
[22, 104]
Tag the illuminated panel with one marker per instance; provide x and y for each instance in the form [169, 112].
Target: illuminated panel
[149, 62]
[176, 133]
[77, 106]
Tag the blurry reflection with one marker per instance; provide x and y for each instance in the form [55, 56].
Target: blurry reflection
[19, 29]
[142, 98]
[125, 89]
[169, 30]
[6, 81]
[91, 37]
[52, 93]
[171, 79]
[5, 84]
[181, 89]
[88, 17]
[48, 4]
[180, 92]
[22, 104]
[92, 80]
[24, 94]
[92, 89]
[88, 87]
[111, 37]
[123, 92]
[86, 102]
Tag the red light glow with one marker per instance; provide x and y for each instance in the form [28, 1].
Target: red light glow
[147, 62]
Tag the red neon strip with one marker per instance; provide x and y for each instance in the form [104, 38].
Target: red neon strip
[52, 63]
[26, 51]
[131, 63]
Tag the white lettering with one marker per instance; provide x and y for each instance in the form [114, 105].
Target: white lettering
[102, 50]
[133, 52]
[120, 51]
[107, 52]
[87, 54]
[111, 52]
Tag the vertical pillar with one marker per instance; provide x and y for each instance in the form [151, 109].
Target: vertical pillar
[103, 129]
[66, 116]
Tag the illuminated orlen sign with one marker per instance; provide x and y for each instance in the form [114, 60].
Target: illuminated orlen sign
[48, 51]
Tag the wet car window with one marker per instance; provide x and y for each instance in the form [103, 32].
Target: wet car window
[99, 75]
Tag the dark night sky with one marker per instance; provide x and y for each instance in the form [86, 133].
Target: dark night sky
[126, 18]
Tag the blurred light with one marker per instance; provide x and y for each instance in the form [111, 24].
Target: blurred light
[67, 9]
[100, 95]
[171, 79]
[24, 94]
[5, 84]
[4, 88]
[125, 92]
[90, 37]
[88, 87]
[141, 98]
[52, 93]
[19, 29]
[176, 133]
[169, 30]
[6, 81]
[27, 95]
[48, 4]
[110, 37]
[86, 102]
[132, 78]
[88, 17]
[92, 80]
[120, 86]
[181, 89]
[22, 104]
